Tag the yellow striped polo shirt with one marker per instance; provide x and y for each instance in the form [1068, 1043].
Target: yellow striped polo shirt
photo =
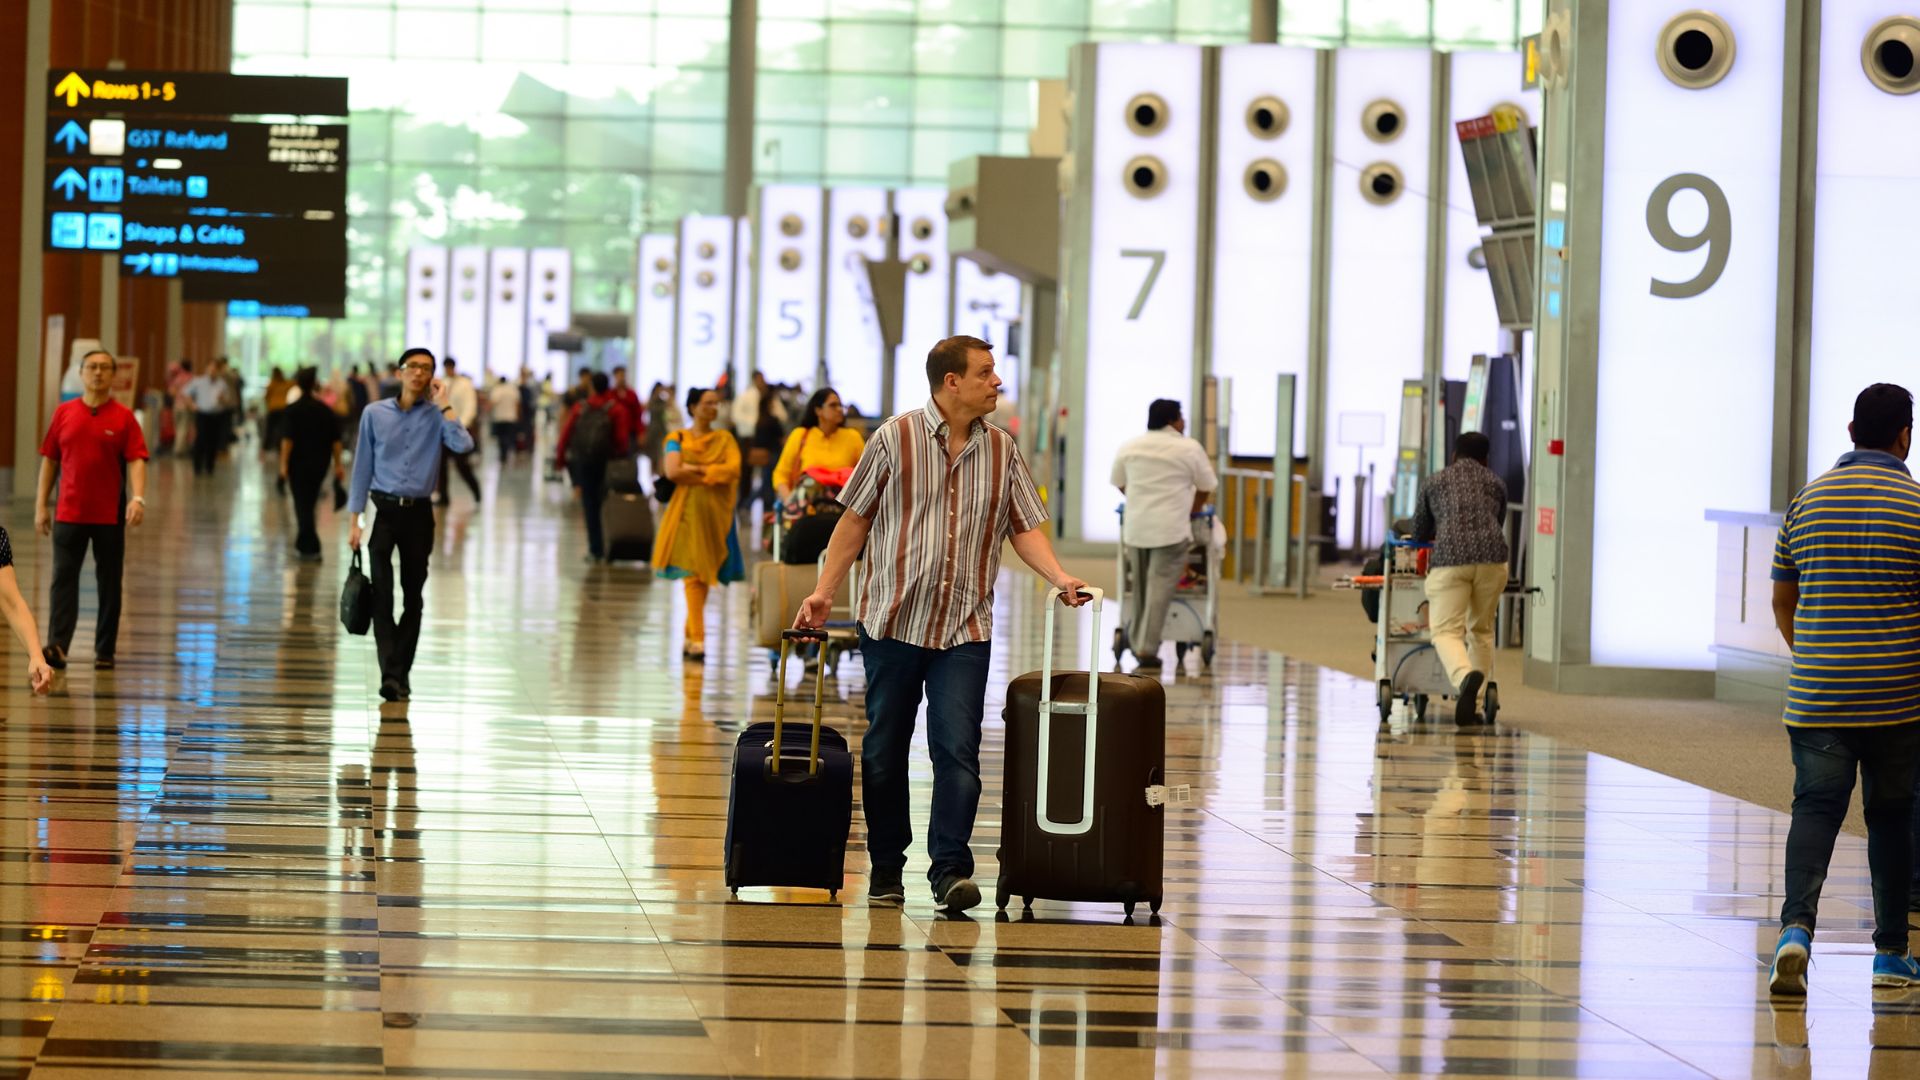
[1852, 541]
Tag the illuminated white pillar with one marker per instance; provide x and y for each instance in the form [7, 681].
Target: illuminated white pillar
[922, 216]
[704, 295]
[506, 311]
[653, 306]
[856, 218]
[789, 228]
[1262, 237]
[1133, 241]
[427, 299]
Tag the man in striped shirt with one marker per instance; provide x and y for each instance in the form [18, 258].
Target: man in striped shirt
[936, 493]
[1846, 597]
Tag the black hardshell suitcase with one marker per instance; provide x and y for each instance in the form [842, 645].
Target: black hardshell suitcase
[1082, 817]
[792, 798]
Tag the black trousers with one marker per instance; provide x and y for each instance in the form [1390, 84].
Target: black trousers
[464, 463]
[306, 493]
[70, 544]
[209, 438]
[408, 530]
[592, 482]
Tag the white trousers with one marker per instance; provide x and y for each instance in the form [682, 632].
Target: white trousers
[1461, 604]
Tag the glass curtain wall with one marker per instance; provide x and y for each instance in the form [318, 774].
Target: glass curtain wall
[575, 123]
[584, 123]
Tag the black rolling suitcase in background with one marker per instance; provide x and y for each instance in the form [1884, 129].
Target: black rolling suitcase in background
[1082, 815]
[626, 527]
[792, 797]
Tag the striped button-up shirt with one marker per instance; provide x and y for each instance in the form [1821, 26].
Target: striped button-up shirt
[938, 523]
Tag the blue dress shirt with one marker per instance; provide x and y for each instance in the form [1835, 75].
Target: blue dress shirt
[399, 452]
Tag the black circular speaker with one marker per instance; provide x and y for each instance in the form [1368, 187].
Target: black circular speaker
[1384, 120]
[1695, 50]
[1887, 54]
[1267, 117]
[1145, 176]
[1265, 180]
[1147, 114]
[1381, 183]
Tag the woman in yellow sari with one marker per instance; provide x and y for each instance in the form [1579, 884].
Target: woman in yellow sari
[696, 541]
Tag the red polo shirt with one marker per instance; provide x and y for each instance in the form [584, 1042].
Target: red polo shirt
[92, 448]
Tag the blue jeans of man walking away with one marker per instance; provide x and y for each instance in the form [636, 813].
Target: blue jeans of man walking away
[955, 683]
[1824, 763]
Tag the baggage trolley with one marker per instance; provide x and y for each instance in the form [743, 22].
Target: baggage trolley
[1405, 665]
[1193, 619]
[842, 627]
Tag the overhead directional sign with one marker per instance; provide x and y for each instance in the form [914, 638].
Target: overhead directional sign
[193, 93]
[172, 185]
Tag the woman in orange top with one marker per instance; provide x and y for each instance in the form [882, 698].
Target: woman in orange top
[696, 541]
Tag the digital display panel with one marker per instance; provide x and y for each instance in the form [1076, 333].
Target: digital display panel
[238, 210]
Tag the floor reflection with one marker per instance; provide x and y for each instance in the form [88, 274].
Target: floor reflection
[226, 858]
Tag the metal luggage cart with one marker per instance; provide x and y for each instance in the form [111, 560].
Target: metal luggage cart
[1405, 665]
[1193, 619]
[843, 619]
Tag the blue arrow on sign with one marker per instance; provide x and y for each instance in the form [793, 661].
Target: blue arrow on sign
[69, 182]
[138, 263]
[72, 134]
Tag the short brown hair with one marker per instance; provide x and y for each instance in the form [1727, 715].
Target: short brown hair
[950, 356]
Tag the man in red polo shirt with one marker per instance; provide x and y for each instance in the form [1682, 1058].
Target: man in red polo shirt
[95, 445]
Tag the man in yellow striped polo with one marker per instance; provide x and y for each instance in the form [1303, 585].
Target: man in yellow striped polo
[1846, 597]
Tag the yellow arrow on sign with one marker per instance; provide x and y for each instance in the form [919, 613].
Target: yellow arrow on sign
[73, 88]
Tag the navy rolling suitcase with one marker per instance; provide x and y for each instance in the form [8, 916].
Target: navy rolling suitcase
[1083, 814]
[792, 798]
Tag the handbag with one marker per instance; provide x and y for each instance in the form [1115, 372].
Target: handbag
[356, 599]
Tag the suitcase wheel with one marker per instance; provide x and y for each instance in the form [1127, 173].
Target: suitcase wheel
[1129, 909]
[1153, 905]
[736, 893]
[833, 896]
[1026, 903]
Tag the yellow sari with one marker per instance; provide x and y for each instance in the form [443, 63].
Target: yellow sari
[696, 538]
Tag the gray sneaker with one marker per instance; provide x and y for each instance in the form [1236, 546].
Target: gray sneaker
[955, 894]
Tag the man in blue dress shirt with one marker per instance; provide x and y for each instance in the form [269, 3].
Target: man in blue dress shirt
[395, 463]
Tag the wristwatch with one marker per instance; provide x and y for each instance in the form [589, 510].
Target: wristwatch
[141, 499]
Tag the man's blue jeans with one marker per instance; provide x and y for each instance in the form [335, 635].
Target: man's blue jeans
[955, 681]
[1824, 763]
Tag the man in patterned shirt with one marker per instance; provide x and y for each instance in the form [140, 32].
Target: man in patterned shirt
[936, 492]
[1463, 512]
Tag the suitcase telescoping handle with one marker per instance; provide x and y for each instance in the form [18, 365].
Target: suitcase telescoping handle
[1090, 708]
[787, 638]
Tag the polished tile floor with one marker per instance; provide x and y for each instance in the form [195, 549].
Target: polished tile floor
[225, 859]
